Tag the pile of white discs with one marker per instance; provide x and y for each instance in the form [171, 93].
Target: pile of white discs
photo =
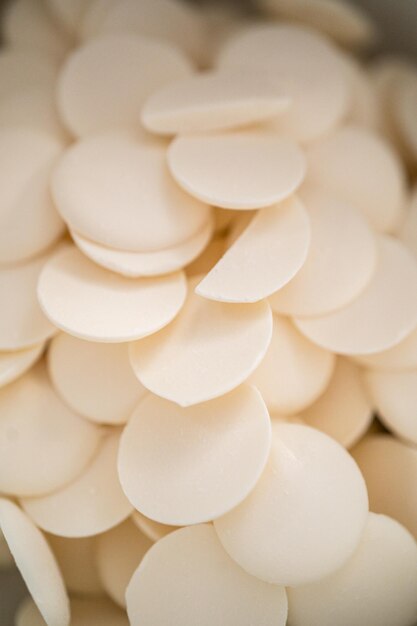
[208, 321]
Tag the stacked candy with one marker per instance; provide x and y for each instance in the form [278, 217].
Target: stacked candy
[208, 278]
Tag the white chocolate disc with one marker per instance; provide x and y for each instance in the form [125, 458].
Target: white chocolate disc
[93, 503]
[363, 170]
[375, 587]
[172, 21]
[77, 561]
[381, 316]
[27, 25]
[340, 263]
[97, 611]
[140, 209]
[36, 563]
[32, 108]
[21, 69]
[104, 83]
[92, 303]
[304, 64]
[264, 258]
[213, 101]
[154, 530]
[185, 466]
[43, 444]
[187, 578]
[242, 170]
[343, 21]
[403, 356]
[95, 379]
[139, 264]
[390, 471]
[309, 476]
[14, 364]
[344, 411]
[395, 398]
[119, 552]
[408, 232]
[294, 371]
[208, 350]
[29, 222]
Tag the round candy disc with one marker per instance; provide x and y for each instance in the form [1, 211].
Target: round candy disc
[242, 170]
[118, 214]
[182, 466]
[343, 411]
[390, 471]
[264, 258]
[119, 552]
[363, 170]
[91, 504]
[104, 83]
[95, 379]
[29, 222]
[187, 578]
[14, 364]
[343, 21]
[43, 444]
[77, 561]
[395, 398]
[340, 263]
[92, 303]
[21, 69]
[381, 316]
[213, 101]
[83, 613]
[294, 371]
[139, 264]
[36, 563]
[403, 356]
[308, 477]
[154, 530]
[304, 64]
[375, 587]
[209, 349]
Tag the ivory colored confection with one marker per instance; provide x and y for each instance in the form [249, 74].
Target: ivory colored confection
[241, 170]
[199, 584]
[375, 587]
[403, 356]
[32, 554]
[208, 350]
[14, 364]
[139, 264]
[363, 170]
[150, 528]
[93, 503]
[77, 561]
[343, 21]
[29, 222]
[390, 469]
[136, 178]
[43, 444]
[305, 64]
[95, 379]
[182, 466]
[381, 316]
[268, 254]
[119, 552]
[95, 304]
[104, 83]
[308, 477]
[294, 372]
[83, 613]
[344, 410]
[214, 101]
[326, 281]
[395, 398]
